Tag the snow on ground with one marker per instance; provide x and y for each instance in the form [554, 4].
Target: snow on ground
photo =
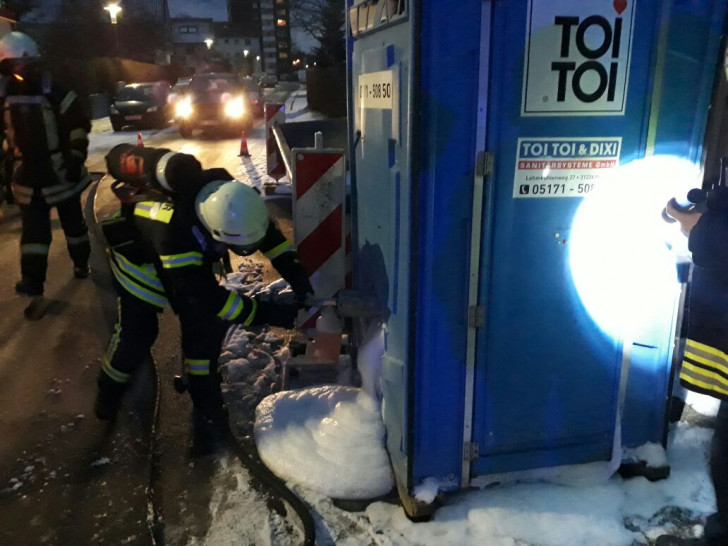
[333, 420]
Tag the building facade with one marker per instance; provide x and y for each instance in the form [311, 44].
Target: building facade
[159, 9]
[246, 14]
[240, 50]
[192, 41]
[272, 18]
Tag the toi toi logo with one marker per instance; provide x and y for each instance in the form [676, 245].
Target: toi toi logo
[607, 45]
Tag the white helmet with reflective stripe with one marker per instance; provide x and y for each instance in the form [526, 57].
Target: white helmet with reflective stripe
[233, 213]
[16, 45]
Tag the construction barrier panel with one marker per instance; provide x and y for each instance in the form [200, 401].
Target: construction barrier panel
[319, 192]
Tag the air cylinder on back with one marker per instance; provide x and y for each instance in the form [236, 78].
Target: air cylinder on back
[159, 169]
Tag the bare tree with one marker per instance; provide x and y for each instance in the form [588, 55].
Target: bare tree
[324, 21]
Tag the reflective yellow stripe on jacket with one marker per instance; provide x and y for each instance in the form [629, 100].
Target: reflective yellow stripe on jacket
[139, 280]
[273, 253]
[154, 210]
[197, 366]
[705, 369]
[172, 261]
[234, 307]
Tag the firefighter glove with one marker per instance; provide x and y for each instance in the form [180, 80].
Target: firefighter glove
[275, 313]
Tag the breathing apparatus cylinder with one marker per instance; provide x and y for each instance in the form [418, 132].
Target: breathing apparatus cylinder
[157, 169]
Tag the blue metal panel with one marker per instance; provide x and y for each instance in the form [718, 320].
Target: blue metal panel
[693, 34]
[547, 378]
[382, 214]
[449, 98]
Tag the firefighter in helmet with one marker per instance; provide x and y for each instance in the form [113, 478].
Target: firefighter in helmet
[47, 135]
[165, 252]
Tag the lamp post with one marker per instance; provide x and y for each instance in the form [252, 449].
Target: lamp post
[114, 10]
[246, 62]
[209, 42]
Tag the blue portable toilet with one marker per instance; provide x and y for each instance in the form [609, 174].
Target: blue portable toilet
[477, 129]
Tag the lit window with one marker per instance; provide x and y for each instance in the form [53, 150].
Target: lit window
[281, 22]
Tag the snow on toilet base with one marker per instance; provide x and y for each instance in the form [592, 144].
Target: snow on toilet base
[328, 438]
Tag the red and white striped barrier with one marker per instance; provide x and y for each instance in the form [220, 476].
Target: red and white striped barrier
[274, 113]
[319, 195]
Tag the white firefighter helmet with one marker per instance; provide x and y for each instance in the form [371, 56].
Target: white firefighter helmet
[233, 213]
[16, 45]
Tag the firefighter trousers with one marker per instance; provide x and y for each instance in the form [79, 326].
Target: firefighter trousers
[134, 335]
[36, 236]
[716, 527]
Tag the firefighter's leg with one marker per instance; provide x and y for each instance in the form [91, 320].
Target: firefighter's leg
[35, 241]
[716, 527]
[201, 344]
[134, 335]
[74, 227]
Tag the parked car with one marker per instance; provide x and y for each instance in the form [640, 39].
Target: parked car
[140, 105]
[269, 80]
[255, 96]
[178, 89]
[215, 101]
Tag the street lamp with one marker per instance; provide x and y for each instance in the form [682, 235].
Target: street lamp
[114, 10]
[246, 52]
[209, 42]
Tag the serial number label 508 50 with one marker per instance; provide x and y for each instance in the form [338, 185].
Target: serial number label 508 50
[376, 90]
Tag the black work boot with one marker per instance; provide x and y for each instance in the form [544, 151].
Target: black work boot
[29, 287]
[108, 398]
[209, 432]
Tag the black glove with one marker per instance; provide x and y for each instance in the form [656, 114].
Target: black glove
[302, 300]
[275, 313]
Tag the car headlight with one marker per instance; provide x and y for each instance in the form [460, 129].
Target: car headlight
[183, 108]
[235, 108]
[152, 109]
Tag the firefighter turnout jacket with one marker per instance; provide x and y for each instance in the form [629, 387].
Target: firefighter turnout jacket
[169, 257]
[47, 135]
[705, 362]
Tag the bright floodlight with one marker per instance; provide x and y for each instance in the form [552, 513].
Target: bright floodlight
[622, 254]
[113, 10]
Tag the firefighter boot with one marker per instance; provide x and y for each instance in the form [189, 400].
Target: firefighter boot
[108, 398]
[29, 287]
[209, 431]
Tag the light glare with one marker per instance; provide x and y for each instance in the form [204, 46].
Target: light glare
[622, 254]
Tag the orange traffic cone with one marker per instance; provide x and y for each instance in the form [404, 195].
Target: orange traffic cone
[140, 142]
[243, 146]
